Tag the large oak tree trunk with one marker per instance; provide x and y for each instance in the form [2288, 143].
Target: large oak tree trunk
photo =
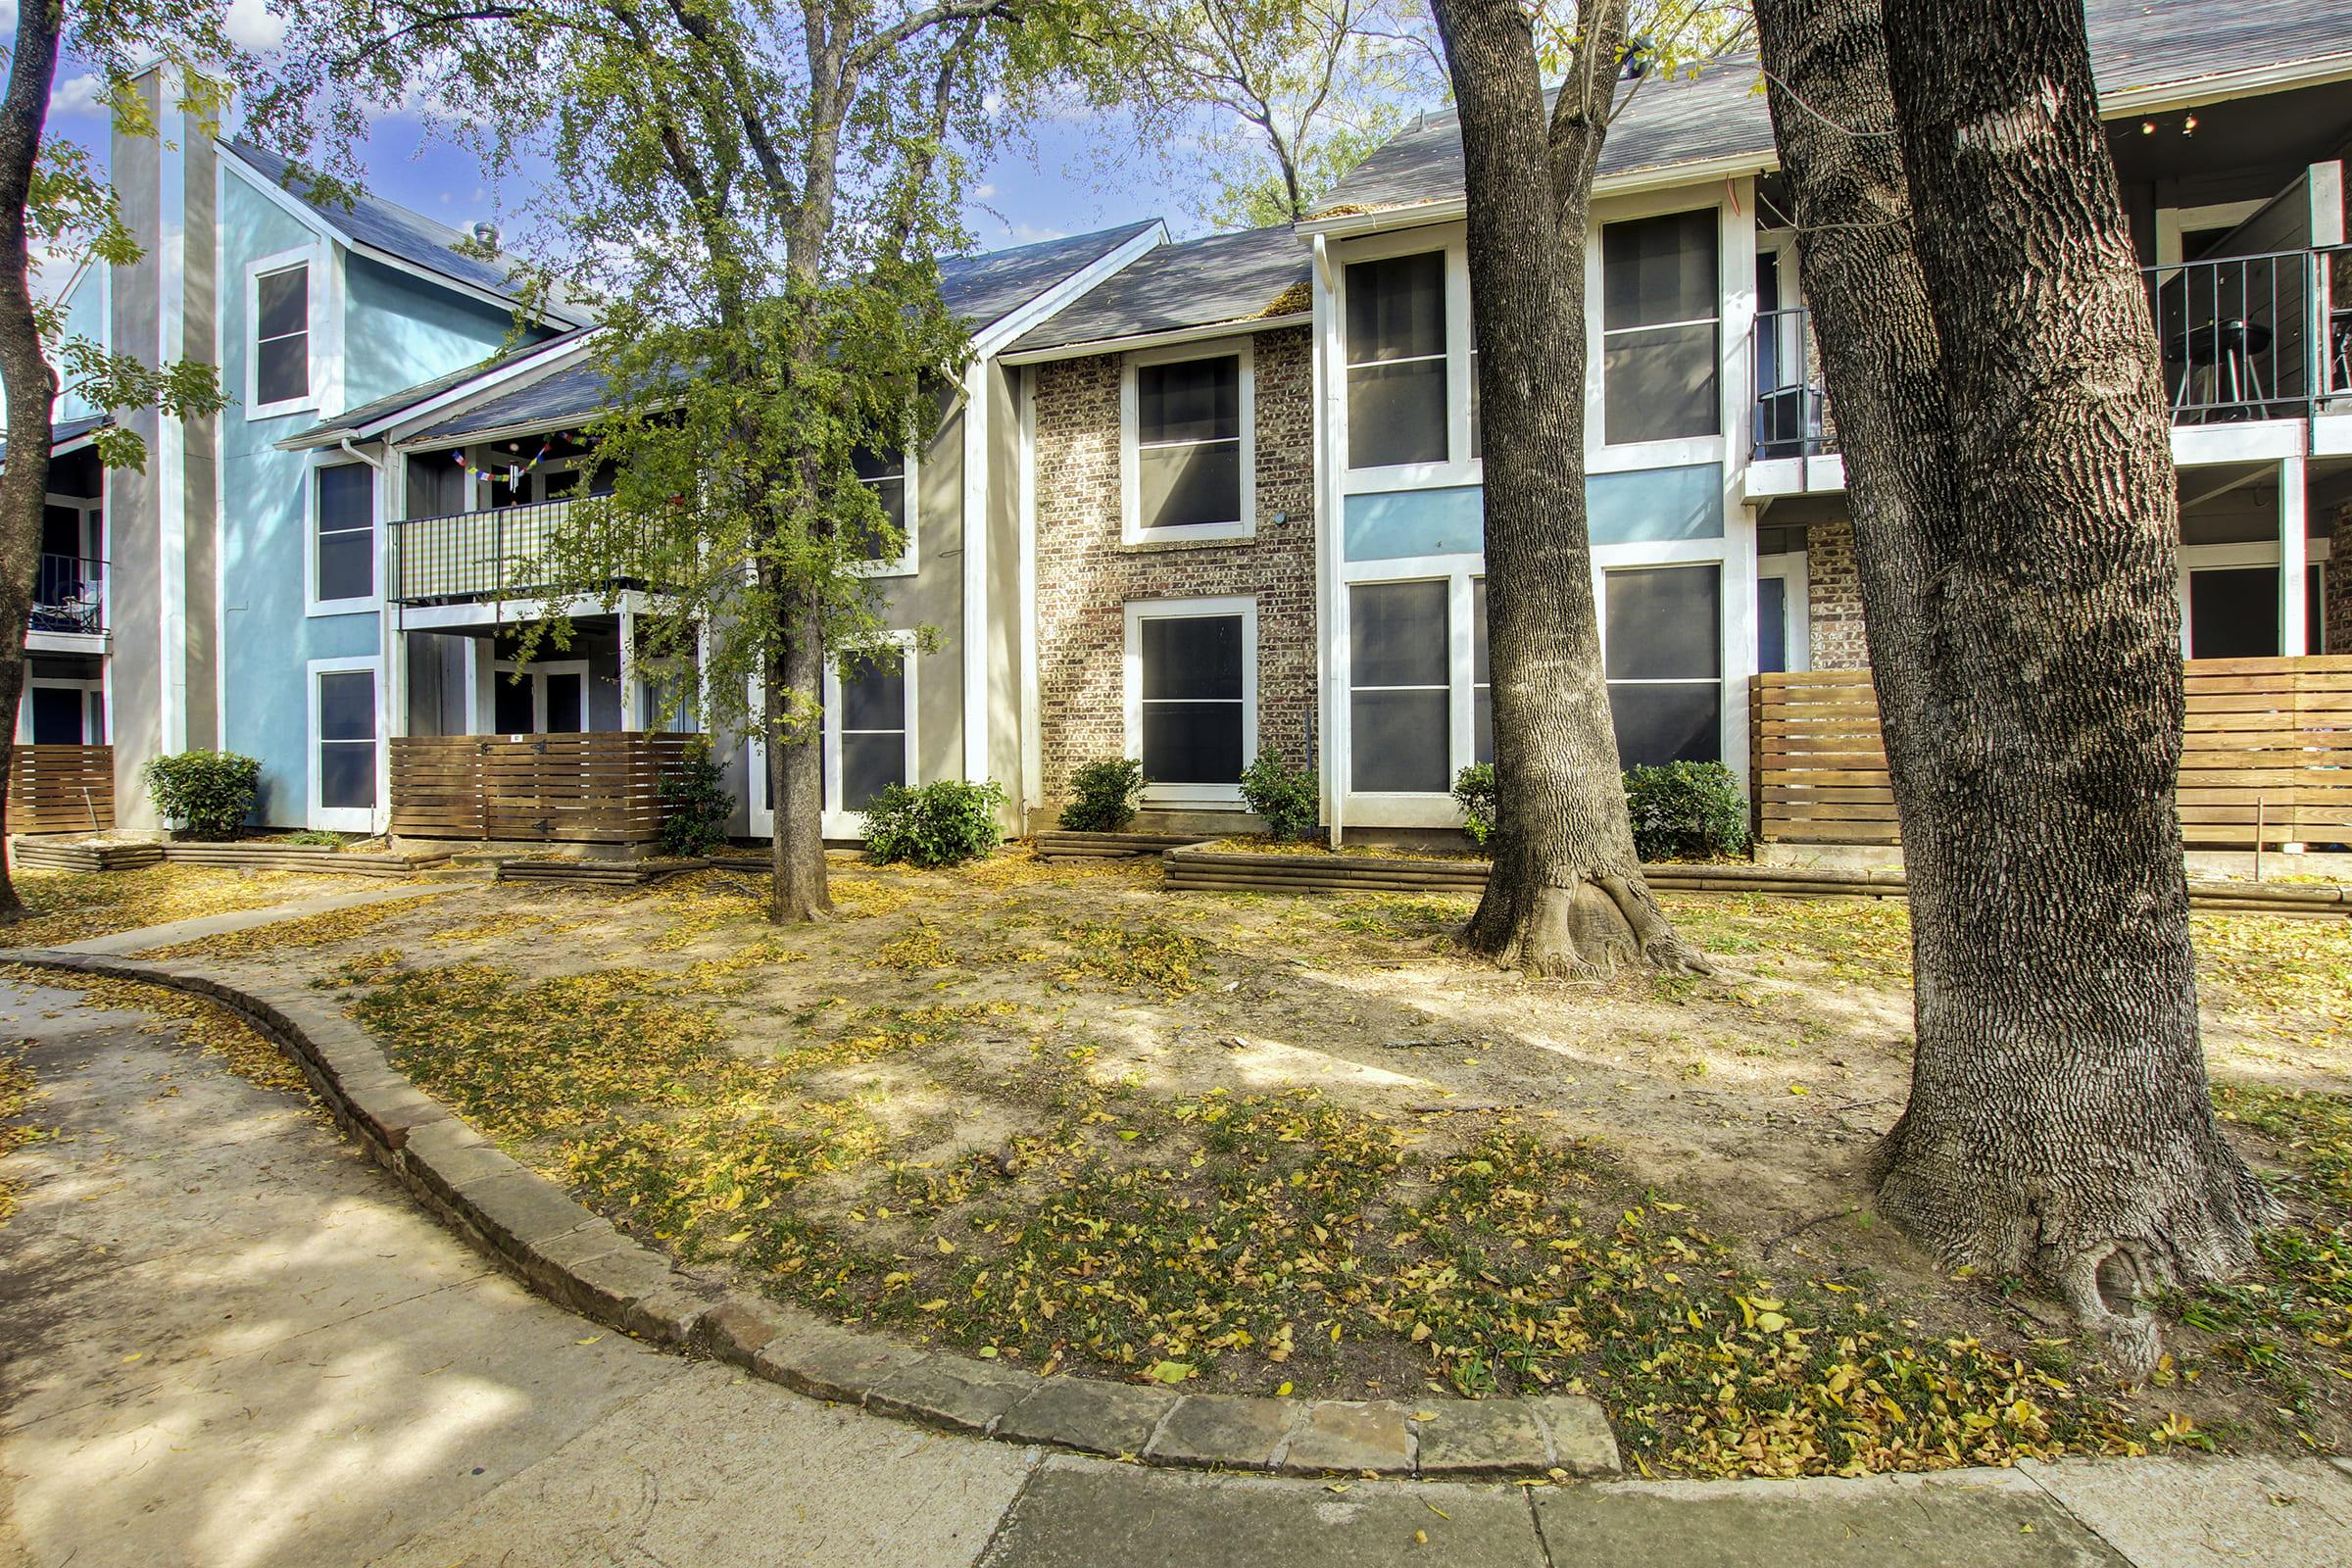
[1988, 350]
[1566, 897]
[26, 373]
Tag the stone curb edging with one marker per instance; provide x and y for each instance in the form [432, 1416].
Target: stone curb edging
[536, 1230]
[1204, 867]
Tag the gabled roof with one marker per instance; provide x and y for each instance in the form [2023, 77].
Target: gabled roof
[985, 288]
[367, 419]
[2139, 49]
[1257, 274]
[371, 223]
[64, 433]
[568, 395]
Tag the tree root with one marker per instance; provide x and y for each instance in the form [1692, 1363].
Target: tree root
[1583, 929]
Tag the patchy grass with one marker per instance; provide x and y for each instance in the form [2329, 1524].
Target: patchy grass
[1232, 1141]
[2287, 1327]
[74, 906]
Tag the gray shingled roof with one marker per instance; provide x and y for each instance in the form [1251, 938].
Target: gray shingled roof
[382, 225]
[568, 395]
[983, 289]
[353, 419]
[2134, 45]
[1202, 282]
[62, 431]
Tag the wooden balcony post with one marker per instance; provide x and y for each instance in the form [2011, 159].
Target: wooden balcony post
[632, 699]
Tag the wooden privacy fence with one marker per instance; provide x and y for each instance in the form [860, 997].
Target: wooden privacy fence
[601, 788]
[2267, 756]
[61, 789]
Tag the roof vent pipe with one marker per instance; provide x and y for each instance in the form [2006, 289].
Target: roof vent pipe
[485, 233]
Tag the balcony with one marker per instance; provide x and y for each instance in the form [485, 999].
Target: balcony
[478, 556]
[2242, 338]
[69, 597]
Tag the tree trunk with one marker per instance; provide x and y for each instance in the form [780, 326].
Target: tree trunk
[1566, 896]
[796, 775]
[26, 376]
[1987, 348]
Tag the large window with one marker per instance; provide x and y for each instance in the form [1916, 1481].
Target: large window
[343, 555]
[869, 731]
[1396, 410]
[889, 476]
[280, 301]
[1664, 662]
[1192, 695]
[1190, 447]
[343, 744]
[2234, 611]
[1399, 687]
[1661, 299]
[1481, 685]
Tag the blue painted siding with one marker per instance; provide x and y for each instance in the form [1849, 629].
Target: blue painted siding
[1645, 506]
[397, 331]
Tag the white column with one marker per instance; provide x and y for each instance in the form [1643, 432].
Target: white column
[631, 699]
[2294, 630]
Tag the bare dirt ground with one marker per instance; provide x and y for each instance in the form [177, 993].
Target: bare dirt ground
[949, 1084]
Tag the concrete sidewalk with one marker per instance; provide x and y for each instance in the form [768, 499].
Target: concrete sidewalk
[230, 1340]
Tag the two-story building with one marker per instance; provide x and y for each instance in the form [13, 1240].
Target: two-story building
[1187, 499]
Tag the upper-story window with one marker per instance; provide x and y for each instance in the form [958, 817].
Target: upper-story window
[1660, 304]
[1396, 351]
[1189, 450]
[343, 536]
[889, 476]
[280, 299]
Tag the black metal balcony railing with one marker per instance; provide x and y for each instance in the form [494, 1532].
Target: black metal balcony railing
[69, 595]
[472, 554]
[1791, 416]
[2237, 334]
[2242, 337]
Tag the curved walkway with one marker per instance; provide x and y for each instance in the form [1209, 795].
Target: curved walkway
[228, 1338]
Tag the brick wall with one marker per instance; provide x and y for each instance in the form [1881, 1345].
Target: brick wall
[1085, 576]
[2338, 578]
[1834, 597]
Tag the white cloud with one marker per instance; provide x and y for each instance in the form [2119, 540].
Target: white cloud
[77, 95]
[251, 24]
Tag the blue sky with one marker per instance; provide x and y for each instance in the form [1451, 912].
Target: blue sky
[1076, 172]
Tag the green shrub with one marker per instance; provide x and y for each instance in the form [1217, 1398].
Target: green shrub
[694, 808]
[1104, 795]
[1686, 811]
[1282, 795]
[209, 794]
[1474, 793]
[940, 824]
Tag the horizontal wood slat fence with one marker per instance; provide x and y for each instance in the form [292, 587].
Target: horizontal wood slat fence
[601, 788]
[2267, 756]
[61, 789]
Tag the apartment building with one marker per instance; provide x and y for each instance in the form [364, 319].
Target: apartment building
[1190, 499]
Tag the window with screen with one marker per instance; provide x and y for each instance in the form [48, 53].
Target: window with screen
[345, 552]
[281, 349]
[1397, 361]
[1193, 707]
[1660, 302]
[347, 740]
[1400, 688]
[870, 729]
[1189, 446]
[884, 475]
[1664, 662]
